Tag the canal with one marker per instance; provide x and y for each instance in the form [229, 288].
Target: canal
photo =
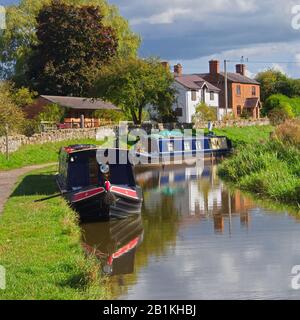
[197, 240]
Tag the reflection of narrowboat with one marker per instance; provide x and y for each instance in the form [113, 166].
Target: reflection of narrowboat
[157, 149]
[98, 185]
[114, 243]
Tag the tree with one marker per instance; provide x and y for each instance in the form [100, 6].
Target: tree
[73, 45]
[111, 115]
[205, 113]
[10, 114]
[52, 112]
[134, 84]
[23, 96]
[20, 35]
[275, 82]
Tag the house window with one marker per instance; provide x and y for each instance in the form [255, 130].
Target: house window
[212, 96]
[194, 95]
[238, 90]
[178, 112]
[254, 91]
[239, 111]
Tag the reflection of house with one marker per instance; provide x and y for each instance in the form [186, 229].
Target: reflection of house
[196, 193]
[80, 112]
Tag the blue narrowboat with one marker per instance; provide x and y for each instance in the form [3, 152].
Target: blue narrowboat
[178, 149]
[98, 189]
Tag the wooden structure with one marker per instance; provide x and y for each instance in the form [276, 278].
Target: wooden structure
[79, 111]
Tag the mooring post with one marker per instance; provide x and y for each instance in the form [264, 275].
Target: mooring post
[6, 142]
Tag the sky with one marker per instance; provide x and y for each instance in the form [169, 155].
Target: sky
[192, 32]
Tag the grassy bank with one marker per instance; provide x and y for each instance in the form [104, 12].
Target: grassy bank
[270, 170]
[38, 153]
[40, 246]
[246, 135]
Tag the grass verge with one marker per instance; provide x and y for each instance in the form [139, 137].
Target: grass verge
[246, 135]
[270, 170]
[40, 246]
[38, 153]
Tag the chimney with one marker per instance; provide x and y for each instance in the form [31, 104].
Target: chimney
[214, 66]
[241, 69]
[166, 65]
[178, 69]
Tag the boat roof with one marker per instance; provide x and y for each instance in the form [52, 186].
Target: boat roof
[87, 147]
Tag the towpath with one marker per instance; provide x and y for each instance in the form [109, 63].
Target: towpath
[9, 178]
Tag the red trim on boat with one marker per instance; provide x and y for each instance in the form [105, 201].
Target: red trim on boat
[125, 192]
[87, 194]
[131, 245]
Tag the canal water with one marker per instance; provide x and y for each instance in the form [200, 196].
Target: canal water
[196, 239]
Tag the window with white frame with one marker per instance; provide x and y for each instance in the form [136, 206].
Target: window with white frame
[194, 95]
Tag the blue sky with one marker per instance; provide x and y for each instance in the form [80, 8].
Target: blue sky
[193, 31]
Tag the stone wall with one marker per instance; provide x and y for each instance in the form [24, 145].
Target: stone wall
[234, 123]
[15, 142]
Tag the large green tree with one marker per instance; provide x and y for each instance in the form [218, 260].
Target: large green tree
[134, 84]
[19, 37]
[275, 82]
[73, 45]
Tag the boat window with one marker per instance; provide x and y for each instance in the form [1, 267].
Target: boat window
[170, 146]
[187, 146]
[198, 145]
[93, 170]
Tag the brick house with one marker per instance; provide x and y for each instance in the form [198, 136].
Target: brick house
[243, 92]
[79, 112]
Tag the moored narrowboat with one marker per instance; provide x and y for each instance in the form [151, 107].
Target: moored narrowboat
[96, 189]
[178, 149]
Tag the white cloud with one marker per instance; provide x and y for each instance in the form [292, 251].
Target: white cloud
[166, 12]
[192, 31]
[166, 17]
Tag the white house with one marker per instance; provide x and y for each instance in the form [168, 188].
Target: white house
[192, 90]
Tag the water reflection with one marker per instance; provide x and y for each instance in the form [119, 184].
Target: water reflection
[114, 243]
[195, 193]
[200, 241]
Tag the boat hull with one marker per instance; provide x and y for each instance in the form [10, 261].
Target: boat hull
[146, 160]
[93, 207]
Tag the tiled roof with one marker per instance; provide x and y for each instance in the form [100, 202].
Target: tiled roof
[195, 82]
[80, 103]
[234, 77]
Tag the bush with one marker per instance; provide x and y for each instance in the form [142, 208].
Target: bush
[278, 116]
[112, 115]
[52, 113]
[205, 113]
[10, 114]
[279, 101]
[289, 133]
